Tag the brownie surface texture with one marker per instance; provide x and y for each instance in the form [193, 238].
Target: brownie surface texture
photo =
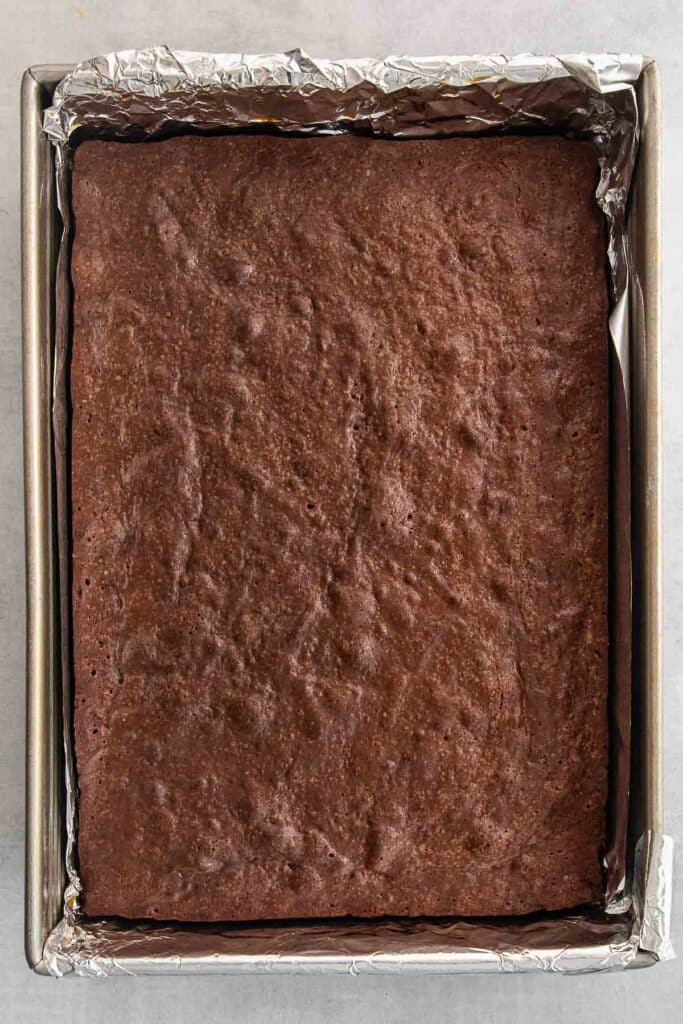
[339, 526]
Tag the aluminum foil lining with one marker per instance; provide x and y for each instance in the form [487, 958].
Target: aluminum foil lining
[144, 94]
[638, 930]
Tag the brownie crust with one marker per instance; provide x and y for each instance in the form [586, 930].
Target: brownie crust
[339, 526]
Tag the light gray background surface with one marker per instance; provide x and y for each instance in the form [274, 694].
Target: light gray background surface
[33, 32]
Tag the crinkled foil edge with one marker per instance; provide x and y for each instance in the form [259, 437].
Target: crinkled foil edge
[143, 94]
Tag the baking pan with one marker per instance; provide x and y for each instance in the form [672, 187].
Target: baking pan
[576, 944]
[45, 873]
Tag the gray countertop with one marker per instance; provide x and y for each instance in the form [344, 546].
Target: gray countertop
[53, 31]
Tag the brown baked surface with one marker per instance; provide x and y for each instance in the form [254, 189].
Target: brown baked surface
[339, 487]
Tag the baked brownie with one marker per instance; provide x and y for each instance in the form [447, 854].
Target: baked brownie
[339, 483]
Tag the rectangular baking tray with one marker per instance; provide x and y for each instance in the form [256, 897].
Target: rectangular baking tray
[45, 817]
